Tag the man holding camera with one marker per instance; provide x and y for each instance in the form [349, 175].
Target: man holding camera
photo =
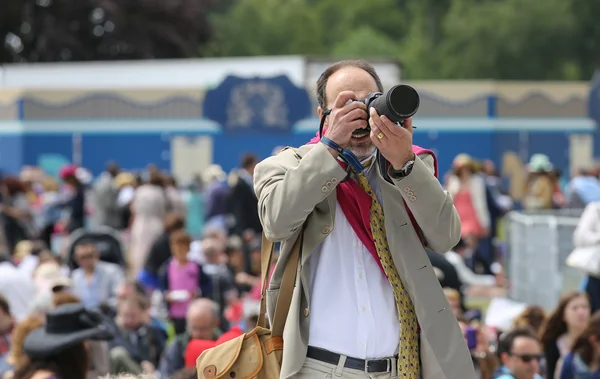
[367, 303]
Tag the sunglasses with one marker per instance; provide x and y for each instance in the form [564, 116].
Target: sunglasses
[528, 357]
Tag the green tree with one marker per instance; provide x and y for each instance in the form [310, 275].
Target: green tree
[273, 27]
[511, 39]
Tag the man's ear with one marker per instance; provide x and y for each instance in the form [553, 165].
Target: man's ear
[320, 113]
[503, 358]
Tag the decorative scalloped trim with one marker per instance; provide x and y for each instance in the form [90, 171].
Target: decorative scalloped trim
[32, 100]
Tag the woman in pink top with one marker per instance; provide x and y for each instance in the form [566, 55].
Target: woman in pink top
[469, 193]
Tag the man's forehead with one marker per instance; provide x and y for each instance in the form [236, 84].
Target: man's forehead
[350, 79]
[85, 247]
[525, 345]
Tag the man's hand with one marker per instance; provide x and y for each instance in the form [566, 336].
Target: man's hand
[345, 118]
[396, 141]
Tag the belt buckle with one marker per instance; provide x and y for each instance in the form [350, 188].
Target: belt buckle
[387, 360]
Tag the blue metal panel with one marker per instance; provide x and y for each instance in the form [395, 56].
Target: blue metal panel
[47, 150]
[11, 152]
[554, 145]
[131, 151]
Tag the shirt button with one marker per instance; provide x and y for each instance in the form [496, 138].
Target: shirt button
[306, 312]
[361, 344]
[360, 276]
[327, 229]
[364, 309]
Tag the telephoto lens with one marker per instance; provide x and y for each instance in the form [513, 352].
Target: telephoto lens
[398, 103]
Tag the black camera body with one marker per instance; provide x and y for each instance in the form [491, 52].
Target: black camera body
[398, 103]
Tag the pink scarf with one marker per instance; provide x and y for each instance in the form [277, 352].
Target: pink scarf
[356, 205]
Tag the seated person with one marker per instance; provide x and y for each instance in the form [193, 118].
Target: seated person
[202, 318]
[95, 282]
[137, 346]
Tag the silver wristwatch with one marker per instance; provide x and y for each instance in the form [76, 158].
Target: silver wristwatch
[404, 171]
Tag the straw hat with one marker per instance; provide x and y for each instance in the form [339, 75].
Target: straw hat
[464, 161]
[124, 179]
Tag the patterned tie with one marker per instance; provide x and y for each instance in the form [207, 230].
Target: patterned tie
[408, 358]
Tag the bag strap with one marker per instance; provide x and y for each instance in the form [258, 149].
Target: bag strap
[284, 300]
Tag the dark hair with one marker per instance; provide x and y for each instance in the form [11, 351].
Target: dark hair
[156, 179]
[86, 241]
[533, 316]
[180, 236]
[63, 297]
[112, 168]
[71, 363]
[4, 306]
[169, 180]
[555, 325]
[459, 245]
[137, 287]
[582, 344]
[324, 78]
[174, 221]
[506, 340]
[13, 185]
[248, 160]
[138, 300]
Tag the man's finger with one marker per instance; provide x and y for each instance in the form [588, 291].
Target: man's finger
[343, 97]
[375, 120]
[408, 125]
[387, 127]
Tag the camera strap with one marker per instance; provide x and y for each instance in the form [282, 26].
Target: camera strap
[346, 155]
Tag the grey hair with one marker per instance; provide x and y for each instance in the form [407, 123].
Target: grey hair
[204, 303]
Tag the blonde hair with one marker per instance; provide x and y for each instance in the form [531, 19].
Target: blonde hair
[23, 249]
[452, 294]
[49, 184]
[16, 353]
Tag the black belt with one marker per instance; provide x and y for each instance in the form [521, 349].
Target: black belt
[375, 365]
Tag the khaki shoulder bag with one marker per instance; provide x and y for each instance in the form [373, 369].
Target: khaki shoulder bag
[257, 354]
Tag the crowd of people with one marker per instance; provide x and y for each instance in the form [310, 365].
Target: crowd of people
[186, 279]
[191, 277]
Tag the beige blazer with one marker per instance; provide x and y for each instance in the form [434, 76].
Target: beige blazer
[299, 185]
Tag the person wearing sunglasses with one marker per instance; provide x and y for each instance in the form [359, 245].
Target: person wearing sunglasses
[520, 352]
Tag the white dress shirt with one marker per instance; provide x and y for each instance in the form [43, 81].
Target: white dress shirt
[353, 311]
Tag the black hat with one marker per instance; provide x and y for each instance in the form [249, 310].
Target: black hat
[66, 326]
